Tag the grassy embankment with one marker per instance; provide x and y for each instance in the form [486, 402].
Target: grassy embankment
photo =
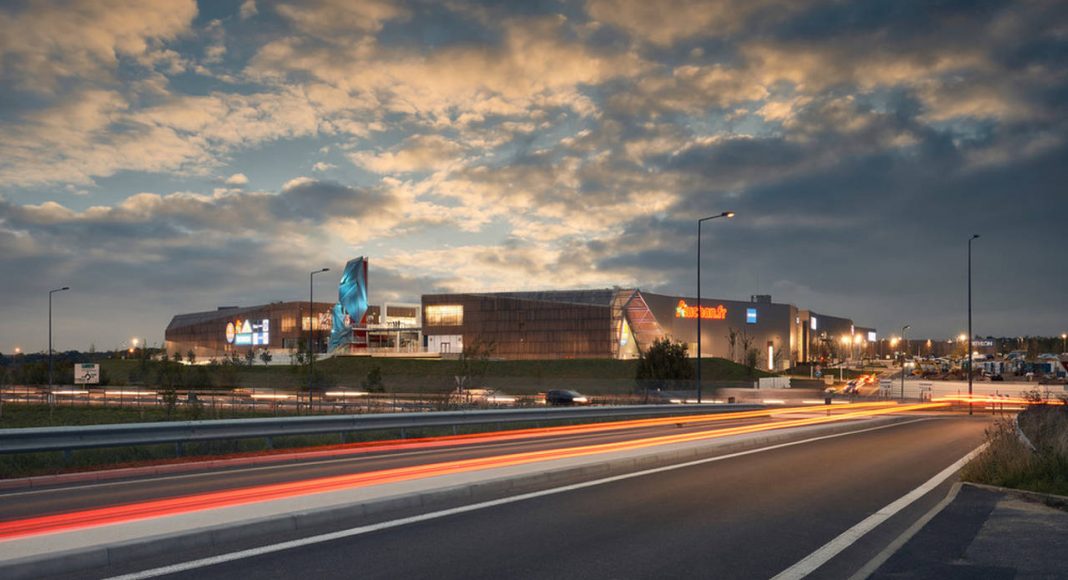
[399, 375]
[591, 376]
[1008, 462]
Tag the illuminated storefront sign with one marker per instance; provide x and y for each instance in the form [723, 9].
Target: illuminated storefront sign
[684, 310]
[248, 332]
[750, 315]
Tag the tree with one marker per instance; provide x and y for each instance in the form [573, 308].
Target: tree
[663, 364]
[474, 362]
[732, 341]
[747, 346]
[266, 356]
[752, 358]
[372, 383]
[250, 357]
[191, 356]
[176, 357]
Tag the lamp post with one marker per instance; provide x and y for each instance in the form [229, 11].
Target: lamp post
[311, 326]
[903, 356]
[50, 293]
[726, 214]
[970, 240]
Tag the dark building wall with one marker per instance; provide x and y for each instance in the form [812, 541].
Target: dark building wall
[775, 324]
[522, 328]
[584, 324]
[824, 343]
[205, 332]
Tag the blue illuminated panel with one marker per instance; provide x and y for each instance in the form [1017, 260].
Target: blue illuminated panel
[750, 315]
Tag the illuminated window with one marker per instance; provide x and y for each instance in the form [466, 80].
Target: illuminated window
[289, 323]
[322, 322]
[445, 315]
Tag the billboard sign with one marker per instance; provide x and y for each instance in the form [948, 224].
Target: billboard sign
[248, 332]
[86, 374]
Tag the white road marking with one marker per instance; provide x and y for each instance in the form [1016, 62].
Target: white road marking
[360, 530]
[810, 563]
[881, 558]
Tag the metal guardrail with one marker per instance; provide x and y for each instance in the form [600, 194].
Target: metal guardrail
[37, 439]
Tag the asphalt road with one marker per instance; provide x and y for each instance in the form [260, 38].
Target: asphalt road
[745, 517]
[18, 505]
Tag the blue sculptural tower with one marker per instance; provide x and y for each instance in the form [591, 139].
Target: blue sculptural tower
[349, 329]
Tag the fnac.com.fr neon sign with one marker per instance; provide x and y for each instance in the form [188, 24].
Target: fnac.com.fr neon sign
[684, 310]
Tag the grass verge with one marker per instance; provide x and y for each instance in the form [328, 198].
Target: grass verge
[1008, 462]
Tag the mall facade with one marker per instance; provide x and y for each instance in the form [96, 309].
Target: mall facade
[600, 323]
[618, 323]
[283, 328]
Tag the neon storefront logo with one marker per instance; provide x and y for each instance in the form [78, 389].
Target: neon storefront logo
[684, 310]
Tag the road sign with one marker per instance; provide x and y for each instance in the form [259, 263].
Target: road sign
[86, 374]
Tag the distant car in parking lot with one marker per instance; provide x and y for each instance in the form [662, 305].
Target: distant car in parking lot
[565, 397]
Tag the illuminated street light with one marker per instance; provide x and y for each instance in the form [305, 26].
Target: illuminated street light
[970, 333]
[1064, 341]
[728, 215]
[904, 356]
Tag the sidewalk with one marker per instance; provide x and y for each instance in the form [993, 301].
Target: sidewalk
[989, 534]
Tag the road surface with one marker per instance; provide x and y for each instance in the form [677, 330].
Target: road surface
[750, 516]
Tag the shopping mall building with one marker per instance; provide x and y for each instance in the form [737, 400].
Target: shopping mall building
[283, 327]
[601, 323]
[617, 323]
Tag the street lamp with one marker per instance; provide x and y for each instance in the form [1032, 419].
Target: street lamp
[311, 325]
[970, 334]
[903, 356]
[1064, 342]
[50, 293]
[728, 215]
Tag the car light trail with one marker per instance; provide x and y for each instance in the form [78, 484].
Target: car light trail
[426, 443]
[261, 493]
[994, 400]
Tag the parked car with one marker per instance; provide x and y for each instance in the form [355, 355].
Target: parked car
[565, 397]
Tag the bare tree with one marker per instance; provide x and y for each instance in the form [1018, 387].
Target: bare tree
[732, 341]
[746, 343]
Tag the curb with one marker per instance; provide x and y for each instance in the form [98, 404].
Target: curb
[1050, 499]
[82, 559]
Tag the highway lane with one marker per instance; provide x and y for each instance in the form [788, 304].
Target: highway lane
[17, 505]
[745, 517]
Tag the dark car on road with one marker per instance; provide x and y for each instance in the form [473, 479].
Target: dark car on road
[565, 397]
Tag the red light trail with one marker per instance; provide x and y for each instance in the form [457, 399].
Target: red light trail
[262, 493]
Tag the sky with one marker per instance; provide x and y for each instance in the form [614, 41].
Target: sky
[170, 157]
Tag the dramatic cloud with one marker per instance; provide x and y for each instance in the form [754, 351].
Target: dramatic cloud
[474, 145]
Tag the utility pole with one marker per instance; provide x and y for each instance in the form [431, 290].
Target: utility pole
[970, 362]
[311, 329]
